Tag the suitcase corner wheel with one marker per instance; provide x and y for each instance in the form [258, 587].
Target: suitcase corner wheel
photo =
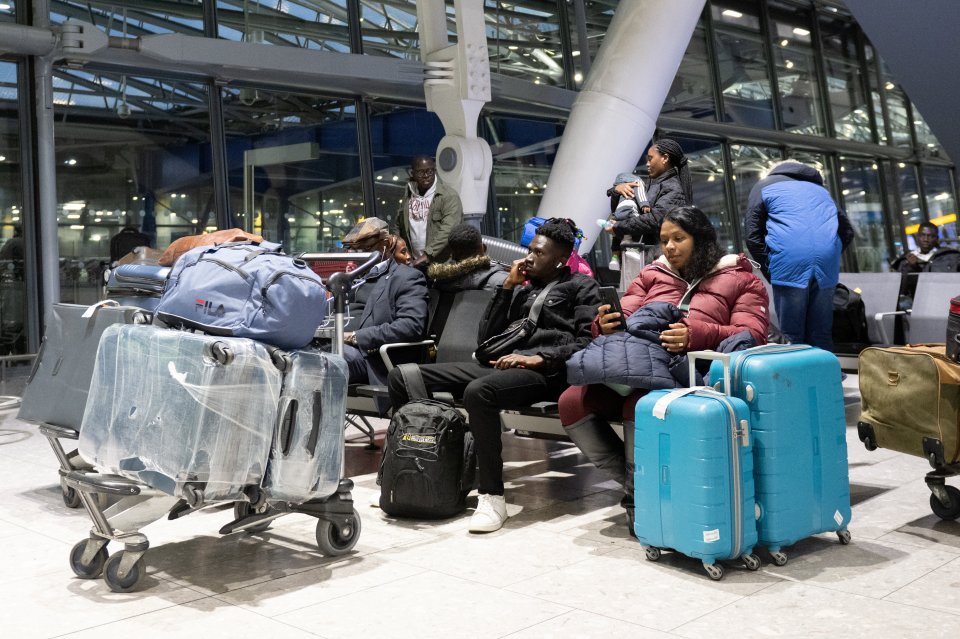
[866, 435]
[944, 499]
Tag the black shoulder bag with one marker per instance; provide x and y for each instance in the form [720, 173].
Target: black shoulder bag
[516, 335]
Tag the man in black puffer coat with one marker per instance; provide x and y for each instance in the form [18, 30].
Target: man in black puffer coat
[534, 372]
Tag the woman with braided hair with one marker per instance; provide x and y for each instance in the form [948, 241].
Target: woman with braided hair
[669, 188]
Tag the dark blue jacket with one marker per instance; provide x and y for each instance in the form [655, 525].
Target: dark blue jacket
[394, 299]
[794, 229]
[632, 357]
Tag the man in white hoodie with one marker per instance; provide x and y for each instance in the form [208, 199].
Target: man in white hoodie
[430, 209]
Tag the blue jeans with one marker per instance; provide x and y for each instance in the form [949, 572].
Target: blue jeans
[806, 314]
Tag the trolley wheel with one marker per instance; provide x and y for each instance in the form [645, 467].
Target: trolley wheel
[751, 561]
[333, 541]
[952, 511]
[243, 509]
[843, 536]
[117, 583]
[779, 558]
[91, 570]
[71, 498]
[653, 554]
[869, 444]
[714, 571]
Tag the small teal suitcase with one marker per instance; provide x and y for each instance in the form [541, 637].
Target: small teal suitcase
[693, 484]
[795, 397]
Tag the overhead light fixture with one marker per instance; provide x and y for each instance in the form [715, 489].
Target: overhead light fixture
[578, 77]
[730, 13]
[803, 33]
[5, 6]
[889, 86]
[784, 42]
[3, 158]
[789, 64]
[70, 162]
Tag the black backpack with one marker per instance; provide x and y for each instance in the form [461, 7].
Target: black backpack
[850, 333]
[429, 461]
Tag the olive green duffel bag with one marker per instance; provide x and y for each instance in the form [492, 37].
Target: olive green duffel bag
[910, 401]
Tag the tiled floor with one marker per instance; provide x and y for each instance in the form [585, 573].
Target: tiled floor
[562, 567]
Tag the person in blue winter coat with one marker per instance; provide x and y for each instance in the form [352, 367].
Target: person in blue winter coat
[796, 232]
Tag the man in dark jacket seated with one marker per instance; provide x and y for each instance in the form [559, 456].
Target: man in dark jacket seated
[533, 373]
[389, 306]
[928, 257]
[469, 269]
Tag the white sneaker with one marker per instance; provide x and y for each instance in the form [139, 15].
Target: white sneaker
[490, 514]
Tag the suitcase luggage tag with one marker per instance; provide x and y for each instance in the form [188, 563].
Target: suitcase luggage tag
[660, 407]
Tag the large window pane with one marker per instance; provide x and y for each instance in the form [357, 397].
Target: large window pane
[397, 134]
[12, 286]
[705, 159]
[863, 204]
[750, 163]
[133, 18]
[911, 213]
[845, 88]
[8, 10]
[523, 153]
[295, 23]
[524, 41]
[294, 168]
[875, 84]
[926, 140]
[742, 62]
[390, 28]
[691, 95]
[796, 75]
[131, 151]
[941, 201]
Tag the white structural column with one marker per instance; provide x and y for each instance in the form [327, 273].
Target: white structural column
[615, 114]
[456, 86]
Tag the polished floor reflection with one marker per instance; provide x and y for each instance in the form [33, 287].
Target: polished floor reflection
[562, 567]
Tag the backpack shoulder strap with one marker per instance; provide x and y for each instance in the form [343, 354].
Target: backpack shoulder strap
[413, 381]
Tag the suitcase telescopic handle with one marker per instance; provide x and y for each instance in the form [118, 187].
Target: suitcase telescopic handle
[723, 358]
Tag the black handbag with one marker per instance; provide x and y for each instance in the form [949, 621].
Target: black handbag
[516, 335]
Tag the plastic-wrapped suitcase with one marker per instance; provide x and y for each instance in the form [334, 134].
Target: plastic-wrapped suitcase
[693, 484]
[306, 458]
[795, 397]
[188, 414]
[56, 391]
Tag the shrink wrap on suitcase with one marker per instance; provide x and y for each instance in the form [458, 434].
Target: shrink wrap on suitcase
[171, 408]
[306, 457]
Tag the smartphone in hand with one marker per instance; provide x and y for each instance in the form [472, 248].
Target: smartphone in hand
[609, 296]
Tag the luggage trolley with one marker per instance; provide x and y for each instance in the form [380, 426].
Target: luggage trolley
[137, 504]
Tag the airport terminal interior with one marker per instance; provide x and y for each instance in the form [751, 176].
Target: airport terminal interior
[140, 115]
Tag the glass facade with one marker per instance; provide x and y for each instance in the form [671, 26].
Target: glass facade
[12, 271]
[140, 159]
[158, 149]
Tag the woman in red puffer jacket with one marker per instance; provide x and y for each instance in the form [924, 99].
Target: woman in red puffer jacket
[727, 298]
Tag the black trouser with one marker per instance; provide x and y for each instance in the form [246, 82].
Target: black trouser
[484, 391]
